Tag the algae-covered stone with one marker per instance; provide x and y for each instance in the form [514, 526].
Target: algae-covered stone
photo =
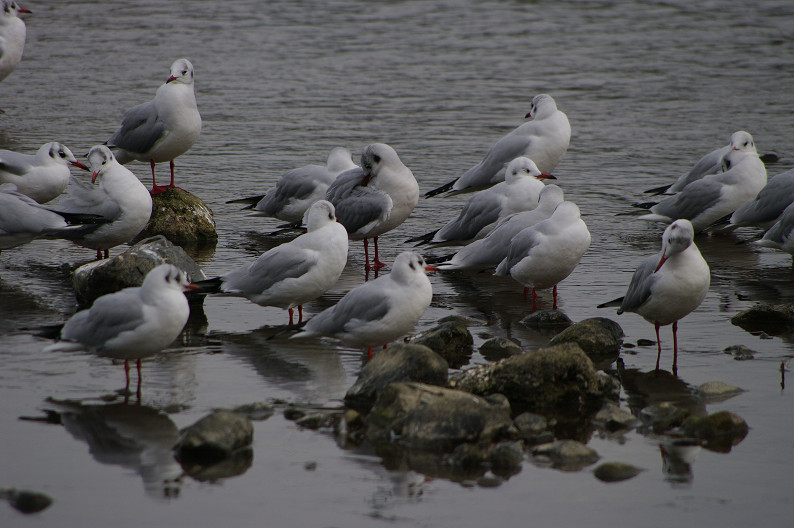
[567, 455]
[718, 431]
[505, 458]
[397, 363]
[612, 418]
[451, 340]
[498, 348]
[182, 218]
[773, 319]
[663, 416]
[597, 336]
[214, 437]
[739, 352]
[615, 471]
[128, 269]
[715, 391]
[547, 319]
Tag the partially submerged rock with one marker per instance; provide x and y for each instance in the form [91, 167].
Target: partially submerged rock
[596, 336]
[612, 418]
[541, 319]
[25, 501]
[772, 319]
[182, 218]
[498, 348]
[715, 391]
[615, 471]
[739, 352]
[567, 455]
[533, 428]
[128, 269]
[451, 340]
[718, 432]
[215, 437]
[399, 362]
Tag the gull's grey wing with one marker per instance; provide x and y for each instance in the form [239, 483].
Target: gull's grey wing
[782, 229]
[769, 203]
[481, 210]
[282, 262]
[711, 163]
[14, 163]
[109, 316]
[520, 247]
[297, 184]
[83, 197]
[491, 169]
[20, 214]
[697, 197]
[362, 305]
[344, 184]
[641, 284]
[140, 129]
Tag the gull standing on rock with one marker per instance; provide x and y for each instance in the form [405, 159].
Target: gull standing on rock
[544, 139]
[133, 323]
[116, 195]
[375, 198]
[669, 285]
[542, 255]
[163, 128]
[41, 176]
[12, 36]
[295, 272]
[379, 311]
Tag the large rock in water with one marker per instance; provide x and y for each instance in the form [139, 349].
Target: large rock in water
[597, 336]
[128, 269]
[182, 218]
[773, 319]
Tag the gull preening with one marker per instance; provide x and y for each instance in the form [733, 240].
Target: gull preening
[163, 128]
[519, 192]
[114, 194]
[375, 198]
[42, 176]
[12, 36]
[379, 311]
[295, 272]
[669, 285]
[543, 139]
[542, 255]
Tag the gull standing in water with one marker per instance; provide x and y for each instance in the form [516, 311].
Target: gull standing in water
[544, 139]
[163, 128]
[669, 285]
[43, 175]
[12, 36]
[768, 205]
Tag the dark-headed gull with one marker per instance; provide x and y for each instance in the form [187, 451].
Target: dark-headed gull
[488, 252]
[299, 188]
[132, 323]
[544, 139]
[43, 175]
[116, 195]
[669, 285]
[375, 198]
[519, 192]
[163, 128]
[12, 36]
[707, 200]
[295, 272]
[379, 311]
[542, 255]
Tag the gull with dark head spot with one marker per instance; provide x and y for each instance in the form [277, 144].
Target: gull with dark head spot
[12, 36]
[41, 176]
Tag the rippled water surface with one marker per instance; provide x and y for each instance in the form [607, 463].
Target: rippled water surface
[648, 88]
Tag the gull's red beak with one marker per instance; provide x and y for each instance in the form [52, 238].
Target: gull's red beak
[191, 287]
[79, 165]
[366, 179]
[93, 177]
[661, 263]
[430, 267]
[172, 78]
[23, 10]
[544, 176]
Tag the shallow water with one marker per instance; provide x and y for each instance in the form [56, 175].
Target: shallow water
[648, 88]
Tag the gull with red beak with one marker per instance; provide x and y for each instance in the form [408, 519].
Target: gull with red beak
[669, 285]
[116, 195]
[41, 176]
[165, 127]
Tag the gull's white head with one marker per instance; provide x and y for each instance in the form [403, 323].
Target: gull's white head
[742, 141]
[522, 167]
[676, 238]
[181, 72]
[99, 159]
[319, 214]
[542, 105]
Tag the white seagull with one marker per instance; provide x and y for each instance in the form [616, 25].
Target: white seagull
[544, 139]
[488, 252]
[781, 234]
[295, 272]
[116, 195]
[132, 323]
[42, 176]
[12, 36]
[770, 202]
[299, 188]
[379, 311]
[375, 198]
[707, 200]
[542, 255]
[163, 128]
[519, 192]
[669, 285]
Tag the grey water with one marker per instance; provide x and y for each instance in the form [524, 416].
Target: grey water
[648, 87]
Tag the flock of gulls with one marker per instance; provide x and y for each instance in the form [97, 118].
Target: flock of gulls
[514, 224]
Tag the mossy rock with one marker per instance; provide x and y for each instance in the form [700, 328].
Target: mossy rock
[182, 218]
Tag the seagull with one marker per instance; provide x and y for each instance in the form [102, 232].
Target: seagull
[132, 323]
[299, 188]
[375, 198]
[379, 311]
[705, 201]
[519, 192]
[669, 285]
[12, 36]
[295, 272]
[544, 139]
[542, 255]
[781, 234]
[488, 252]
[22, 219]
[165, 127]
[42, 176]
[116, 195]
[768, 205]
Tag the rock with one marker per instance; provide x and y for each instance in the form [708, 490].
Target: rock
[293, 413]
[451, 340]
[26, 501]
[215, 437]
[397, 363]
[740, 352]
[615, 471]
[718, 431]
[233, 466]
[490, 481]
[597, 336]
[547, 319]
[257, 411]
[567, 455]
[716, 391]
[533, 428]
[182, 218]
[316, 421]
[556, 377]
[505, 458]
[612, 418]
[430, 418]
[467, 457]
[499, 348]
[773, 319]
[645, 342]
[663, 416]
[128, 269]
